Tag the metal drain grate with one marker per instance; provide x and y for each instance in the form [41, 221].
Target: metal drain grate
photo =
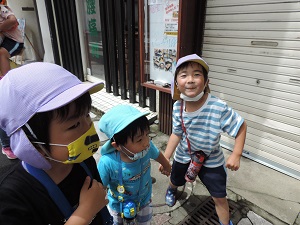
[206, 214]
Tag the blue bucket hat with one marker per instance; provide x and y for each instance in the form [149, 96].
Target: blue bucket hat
[115, 120]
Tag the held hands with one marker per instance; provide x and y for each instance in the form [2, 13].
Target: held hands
[165, 170]
[233, 162]
[92, 199]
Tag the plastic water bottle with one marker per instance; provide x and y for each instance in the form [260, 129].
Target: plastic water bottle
[129, 213]
[196, 163]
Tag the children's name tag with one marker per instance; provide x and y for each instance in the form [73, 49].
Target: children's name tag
[121, 189]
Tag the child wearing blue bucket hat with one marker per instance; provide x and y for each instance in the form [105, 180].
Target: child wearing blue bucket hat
[125, 165]
[45, 112]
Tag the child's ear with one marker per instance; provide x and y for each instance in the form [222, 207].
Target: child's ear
[114, 144]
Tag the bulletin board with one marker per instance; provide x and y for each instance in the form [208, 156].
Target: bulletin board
[162, 35]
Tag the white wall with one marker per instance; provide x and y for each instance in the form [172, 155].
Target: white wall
[44, 26]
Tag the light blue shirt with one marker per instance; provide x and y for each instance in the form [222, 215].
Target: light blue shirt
[136, 177]
[204, 128]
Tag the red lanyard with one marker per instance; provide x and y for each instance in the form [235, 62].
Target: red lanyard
[183, 128]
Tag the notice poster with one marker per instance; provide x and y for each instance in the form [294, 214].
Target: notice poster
[171, 17]
[163, 30]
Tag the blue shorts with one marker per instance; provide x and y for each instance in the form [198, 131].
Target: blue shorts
[214, 179]
[12, 46]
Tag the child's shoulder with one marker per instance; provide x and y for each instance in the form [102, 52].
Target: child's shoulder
[109, 157]
[178, 102]
[152, 145]
[214, 100]
[108, 162]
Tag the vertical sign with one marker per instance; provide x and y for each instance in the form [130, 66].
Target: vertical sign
[92, 25]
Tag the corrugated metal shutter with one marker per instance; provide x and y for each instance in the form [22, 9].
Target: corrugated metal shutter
[253, 49]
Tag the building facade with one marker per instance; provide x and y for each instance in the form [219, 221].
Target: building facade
[252, 47]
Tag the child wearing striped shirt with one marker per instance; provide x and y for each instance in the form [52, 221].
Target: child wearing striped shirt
[199, 118]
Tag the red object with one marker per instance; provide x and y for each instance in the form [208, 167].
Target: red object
[196, 163]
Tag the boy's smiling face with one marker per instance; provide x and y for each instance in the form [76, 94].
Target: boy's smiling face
[190, 80]
[66, 131]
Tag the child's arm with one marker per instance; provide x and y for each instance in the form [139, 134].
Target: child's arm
[233, 162]
[165, 164]
[9, 23]
[171, 146]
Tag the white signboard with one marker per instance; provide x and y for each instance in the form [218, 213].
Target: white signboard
[163, 30]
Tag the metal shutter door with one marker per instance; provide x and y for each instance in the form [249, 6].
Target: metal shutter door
[253, 49]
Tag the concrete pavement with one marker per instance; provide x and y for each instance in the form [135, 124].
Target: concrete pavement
[263, 195]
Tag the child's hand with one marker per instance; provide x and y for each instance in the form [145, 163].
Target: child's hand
[165, 170]
[92, 199]
[233, 162]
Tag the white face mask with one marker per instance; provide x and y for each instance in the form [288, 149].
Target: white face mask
[193, 99]
[135, 156]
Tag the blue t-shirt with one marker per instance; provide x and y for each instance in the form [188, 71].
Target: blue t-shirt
[204, 128]
[136, 177]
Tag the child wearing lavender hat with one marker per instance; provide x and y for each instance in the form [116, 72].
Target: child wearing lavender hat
[45, 112]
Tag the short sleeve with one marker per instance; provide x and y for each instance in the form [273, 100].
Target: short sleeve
[154, 152]
[231, 121]
[176, 119]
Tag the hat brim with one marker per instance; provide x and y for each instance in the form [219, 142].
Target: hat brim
[201, 62]
[71, 94]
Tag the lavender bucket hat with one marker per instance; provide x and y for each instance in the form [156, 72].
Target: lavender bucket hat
[30, 89]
